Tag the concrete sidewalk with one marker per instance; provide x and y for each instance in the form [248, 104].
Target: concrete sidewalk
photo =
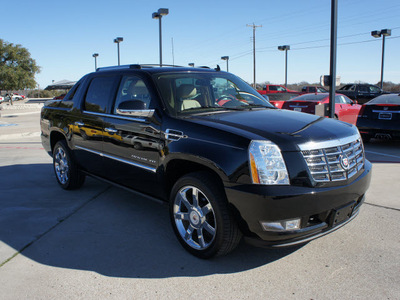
[19, 120]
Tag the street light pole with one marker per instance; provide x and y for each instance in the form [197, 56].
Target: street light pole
[95, 55]
[285, 48]
[227, 59]
[117, 41]
[377, 34]
[158, 15]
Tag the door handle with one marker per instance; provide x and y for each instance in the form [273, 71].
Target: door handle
[79, 124]
[111, 130]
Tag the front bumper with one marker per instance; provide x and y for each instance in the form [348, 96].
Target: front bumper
[318, 208]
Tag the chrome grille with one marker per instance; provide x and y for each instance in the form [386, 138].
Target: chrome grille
[336, 162]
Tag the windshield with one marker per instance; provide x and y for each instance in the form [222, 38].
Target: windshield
[189, 93]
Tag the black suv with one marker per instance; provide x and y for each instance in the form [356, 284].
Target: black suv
[227, 162]
[362, 93]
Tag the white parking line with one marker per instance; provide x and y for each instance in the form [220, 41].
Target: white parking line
[378, 153]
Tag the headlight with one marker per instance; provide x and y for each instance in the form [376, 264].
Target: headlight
[266, 163]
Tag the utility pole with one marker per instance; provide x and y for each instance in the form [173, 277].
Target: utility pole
[254, 52]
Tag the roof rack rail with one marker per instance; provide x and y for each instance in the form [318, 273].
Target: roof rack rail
[134, 66]
[141, 66]
[118, 67]
[158, 65]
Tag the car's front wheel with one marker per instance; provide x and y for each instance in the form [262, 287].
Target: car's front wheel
[200, 216]
[65, 168]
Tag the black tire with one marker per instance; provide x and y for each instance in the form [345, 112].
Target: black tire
[67, 172]
[205, 227]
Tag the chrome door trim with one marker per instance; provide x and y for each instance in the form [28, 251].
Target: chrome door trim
[151, 169]
[114, 116]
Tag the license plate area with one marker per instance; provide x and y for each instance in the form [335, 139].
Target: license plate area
[342, 214]
[297, 109]
[385, 116]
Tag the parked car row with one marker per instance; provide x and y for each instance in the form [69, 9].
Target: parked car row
[14, 97]
[378, 118]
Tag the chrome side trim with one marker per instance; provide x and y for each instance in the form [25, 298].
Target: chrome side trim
[151, 169]
[328, 144]
[114, 116]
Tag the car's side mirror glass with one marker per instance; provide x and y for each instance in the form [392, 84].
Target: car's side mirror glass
[134, 108]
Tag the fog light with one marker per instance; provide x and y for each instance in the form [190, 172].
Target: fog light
[279, 226]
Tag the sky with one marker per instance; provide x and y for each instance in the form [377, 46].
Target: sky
[63, 35]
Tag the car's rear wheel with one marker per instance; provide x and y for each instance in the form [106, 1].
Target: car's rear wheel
[200, 216]
[66, 170]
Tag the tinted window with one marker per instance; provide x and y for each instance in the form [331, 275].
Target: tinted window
[363, 89]
[312, 89]
[72, 92]
[133, 88]
[99, 94]
[386, 99]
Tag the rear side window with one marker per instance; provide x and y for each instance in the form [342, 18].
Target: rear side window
[70, 95]
[99, 94]
[374, 89]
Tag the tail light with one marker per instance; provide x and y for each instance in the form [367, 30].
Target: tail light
[361, 111]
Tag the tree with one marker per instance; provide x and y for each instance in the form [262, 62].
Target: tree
[17, 68]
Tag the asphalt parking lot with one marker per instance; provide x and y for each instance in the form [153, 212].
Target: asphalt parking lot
[104, 242]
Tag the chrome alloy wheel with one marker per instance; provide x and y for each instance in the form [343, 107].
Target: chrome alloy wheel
[194, 217]
[61, 165]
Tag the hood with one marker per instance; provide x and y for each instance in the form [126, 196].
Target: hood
[285, 128]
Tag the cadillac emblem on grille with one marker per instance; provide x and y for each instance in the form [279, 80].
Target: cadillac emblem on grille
[344, 161]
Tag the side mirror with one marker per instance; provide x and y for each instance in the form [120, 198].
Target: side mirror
[134, 108]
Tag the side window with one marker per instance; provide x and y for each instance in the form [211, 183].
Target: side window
[374, 89]
[133, 88]
[273, 88]
[352, 88]
[70, 95]
[363, 89]
[99, 94]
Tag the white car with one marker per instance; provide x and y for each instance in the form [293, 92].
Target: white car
[17, 97]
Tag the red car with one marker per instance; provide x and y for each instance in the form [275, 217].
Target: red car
[345, 109]
[60, 97]
[275, 88]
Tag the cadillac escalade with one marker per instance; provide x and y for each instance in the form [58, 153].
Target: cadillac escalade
[228, 163]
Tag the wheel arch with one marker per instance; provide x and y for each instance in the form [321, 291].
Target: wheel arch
[56, 136]
[176, 168]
